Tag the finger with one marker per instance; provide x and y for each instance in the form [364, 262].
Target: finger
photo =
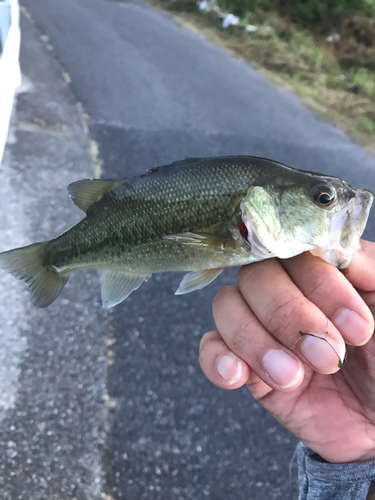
[244, 335]
[331, 292]
[361, 272]
[369, 298]
[226, 370]
[219, 364]
[287, 314]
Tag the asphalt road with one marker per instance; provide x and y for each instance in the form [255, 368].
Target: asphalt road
[52, 362]
[154, 93]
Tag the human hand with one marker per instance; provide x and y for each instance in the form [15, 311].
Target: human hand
[297, 377]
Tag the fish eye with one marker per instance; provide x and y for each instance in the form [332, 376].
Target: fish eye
[324, 196]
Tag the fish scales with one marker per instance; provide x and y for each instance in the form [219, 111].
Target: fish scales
[199, 215]
[138, 214]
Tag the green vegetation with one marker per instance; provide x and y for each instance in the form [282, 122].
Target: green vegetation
[324, 50]
[325, 13]
[305, 12]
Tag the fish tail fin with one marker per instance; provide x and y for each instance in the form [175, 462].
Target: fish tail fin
[30, 264]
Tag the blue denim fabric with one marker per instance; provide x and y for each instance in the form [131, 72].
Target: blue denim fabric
[321, 480]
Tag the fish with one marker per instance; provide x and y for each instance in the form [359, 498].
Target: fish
[198, 215]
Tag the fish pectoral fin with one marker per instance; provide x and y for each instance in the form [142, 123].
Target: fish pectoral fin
[197, 280]
[86, 192]
[117, 286]
[210, 241]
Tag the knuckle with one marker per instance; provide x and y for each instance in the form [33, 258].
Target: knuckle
[243, 272]
[282, 312]
[242, 333]
[223, 295]
[319, 283]
[257, 271]
[248, 273]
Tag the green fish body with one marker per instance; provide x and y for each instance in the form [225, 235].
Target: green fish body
[197, 215]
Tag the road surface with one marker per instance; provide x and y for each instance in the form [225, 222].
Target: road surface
[155, 92]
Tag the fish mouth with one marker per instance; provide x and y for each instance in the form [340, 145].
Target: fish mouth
[346, 229]
[363, 203]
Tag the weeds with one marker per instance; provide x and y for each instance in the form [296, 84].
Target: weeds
[336, 89]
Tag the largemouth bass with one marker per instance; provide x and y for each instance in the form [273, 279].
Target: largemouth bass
[198, 215]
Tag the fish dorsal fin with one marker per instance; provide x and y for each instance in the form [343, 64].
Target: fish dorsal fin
[197, 280]
[193, 160]
[86, 192]
[117, 286]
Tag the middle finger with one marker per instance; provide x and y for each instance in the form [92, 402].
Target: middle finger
[290, 317]
[328, 288]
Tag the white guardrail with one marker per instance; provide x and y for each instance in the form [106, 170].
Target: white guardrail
[10, 74]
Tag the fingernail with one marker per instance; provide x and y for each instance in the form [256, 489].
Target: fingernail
[230, 368]
[323, 352]
[284, 370]
[352, 326]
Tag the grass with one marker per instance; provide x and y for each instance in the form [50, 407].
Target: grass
[300, 60]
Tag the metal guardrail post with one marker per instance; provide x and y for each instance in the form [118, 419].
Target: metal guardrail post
[10, 74]
[5, 21]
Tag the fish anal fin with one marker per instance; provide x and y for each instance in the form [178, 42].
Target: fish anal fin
[210, 241]
[197, 280]
[86, 192]
[117, 286]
